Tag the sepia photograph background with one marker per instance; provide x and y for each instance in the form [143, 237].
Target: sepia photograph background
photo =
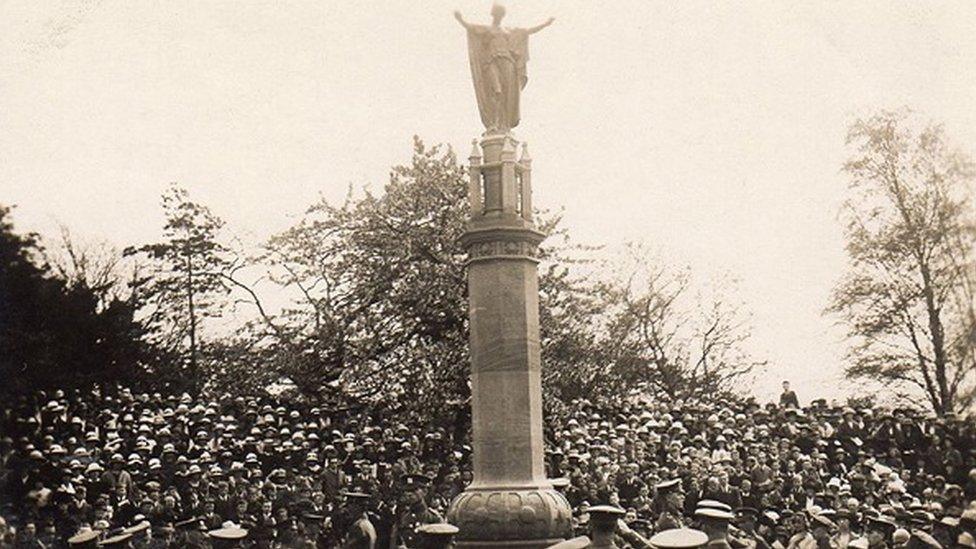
[710, 133]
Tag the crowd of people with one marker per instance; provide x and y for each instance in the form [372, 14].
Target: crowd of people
[117, 467]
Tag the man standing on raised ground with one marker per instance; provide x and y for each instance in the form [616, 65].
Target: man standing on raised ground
[788, 398]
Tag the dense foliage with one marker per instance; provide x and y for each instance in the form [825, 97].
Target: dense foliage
[370, 306]
[59, 334]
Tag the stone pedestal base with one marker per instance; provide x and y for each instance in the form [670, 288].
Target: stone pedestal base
[510, 517]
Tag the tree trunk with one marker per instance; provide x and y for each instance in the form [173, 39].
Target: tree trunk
[937, 333]
[193, 324]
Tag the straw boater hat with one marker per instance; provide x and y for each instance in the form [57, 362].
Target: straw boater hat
[228, 531]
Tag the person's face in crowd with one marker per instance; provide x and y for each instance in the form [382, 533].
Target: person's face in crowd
[748, 523]
[843, 524]
[242, 507]
[312, 528]
[786, 386]
[30, 531]
[745, 487]
[875, 536]
[674, 499]
[266, 508]
[723, 479]
[169, 502]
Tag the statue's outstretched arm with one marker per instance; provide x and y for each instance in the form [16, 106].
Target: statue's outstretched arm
[538, 28]
[457, 15]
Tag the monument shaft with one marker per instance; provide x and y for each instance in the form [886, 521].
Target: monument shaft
[510, 503]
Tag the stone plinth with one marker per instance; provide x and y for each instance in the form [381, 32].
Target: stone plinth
[510, 502]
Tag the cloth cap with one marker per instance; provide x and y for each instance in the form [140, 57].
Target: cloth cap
[712, 504]
[714, 515]
[605, 513]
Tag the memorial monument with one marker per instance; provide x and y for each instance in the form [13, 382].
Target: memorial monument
[510, 502]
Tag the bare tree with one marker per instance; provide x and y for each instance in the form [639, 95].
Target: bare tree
[94, 265]
[908, 297]
[665, 333]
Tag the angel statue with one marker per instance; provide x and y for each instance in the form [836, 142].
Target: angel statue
[498, 57]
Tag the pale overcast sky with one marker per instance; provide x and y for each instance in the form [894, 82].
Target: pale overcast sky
[712, 131]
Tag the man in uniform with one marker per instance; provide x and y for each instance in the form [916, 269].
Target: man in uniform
[746, 520]
[715, 523]
[669, 501]
[360, 534]
[604, 520]
[436, 536]
[412, 512]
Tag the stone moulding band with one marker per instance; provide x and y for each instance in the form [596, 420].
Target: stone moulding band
[487, 166]
[501, 242]
[503, 249]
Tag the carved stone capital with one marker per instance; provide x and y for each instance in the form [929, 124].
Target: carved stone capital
[501, 241]
[499, 517]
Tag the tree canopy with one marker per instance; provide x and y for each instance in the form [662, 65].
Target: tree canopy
[908, 297]
[364, 302]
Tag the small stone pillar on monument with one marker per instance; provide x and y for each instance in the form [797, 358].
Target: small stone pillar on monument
[510, 502]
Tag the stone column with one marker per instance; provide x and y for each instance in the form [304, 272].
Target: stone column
[510, 502]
